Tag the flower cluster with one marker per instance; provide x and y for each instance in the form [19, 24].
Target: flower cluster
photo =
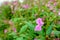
[39, 24]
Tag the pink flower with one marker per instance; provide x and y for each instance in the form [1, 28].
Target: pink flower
[39, 24]
[51, 7]
[55, 3]
[39, 21]
[14, 29]
[35, 38]
[15, 3]
[54, 10]
[48, 5]
[59, 13]
[6, 2]
[25, 6]
[10, 22]
[5, 31]
[57, 39]
[38, 28]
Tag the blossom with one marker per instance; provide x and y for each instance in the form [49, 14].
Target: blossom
[25, 6]
[35, 38]
[11, 23]
[54, 10]
[55, 3]
[6, 2]
[48, 5]
[14, 29]
[39, 21]
[38, 28]
[15, 2]
[39, 24]
[59, 13]
[5, 31]
[51, 7]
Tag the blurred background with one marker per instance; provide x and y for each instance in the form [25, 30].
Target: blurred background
[18, 19]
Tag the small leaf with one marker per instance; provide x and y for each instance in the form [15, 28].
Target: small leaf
[15, 19]
[19, 38]
[49, 29]
[23, 29]
[31, 26]
[57, 33]
[25, 35]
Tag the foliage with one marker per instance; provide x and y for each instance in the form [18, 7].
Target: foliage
[20, 22]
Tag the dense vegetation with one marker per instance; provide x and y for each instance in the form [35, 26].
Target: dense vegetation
[30, 20]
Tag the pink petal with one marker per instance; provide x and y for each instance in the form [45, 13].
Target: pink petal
[54, 10]
[48, 5]
[38, 28]
[41, 23]
[59, 13]
[14, 29]
[35, 39]
[15, 2]
[51, 7]
[5, 31]
[55, 4]
[38, 20]
[25, 6]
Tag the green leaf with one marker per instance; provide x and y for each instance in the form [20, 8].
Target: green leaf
[23, 29]
[15, 19]
[57, 33]
[42, 38]
[19, 38]
[13, 34]
[49, 29]
[25, 35]
[0, 38]
[42, 32]
[31, 26]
